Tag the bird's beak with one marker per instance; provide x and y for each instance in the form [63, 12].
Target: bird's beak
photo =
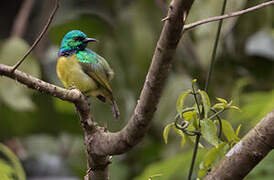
[86, 40]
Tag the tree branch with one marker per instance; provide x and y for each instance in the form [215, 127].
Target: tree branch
[105, 143]
[20, 23]
[233, 14]
[245, 155]
[73, 96]
[39, 37]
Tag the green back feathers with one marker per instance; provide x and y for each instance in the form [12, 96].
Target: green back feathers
[87, 56]
[96, 67]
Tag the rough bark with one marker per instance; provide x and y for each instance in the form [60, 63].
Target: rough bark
[245, 155]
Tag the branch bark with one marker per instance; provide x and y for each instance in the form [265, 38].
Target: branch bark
[233, 14]
[245, 155]
[105, 143]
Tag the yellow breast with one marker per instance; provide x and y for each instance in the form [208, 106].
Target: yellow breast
[72, 76]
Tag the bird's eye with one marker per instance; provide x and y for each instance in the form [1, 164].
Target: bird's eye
[79, 38]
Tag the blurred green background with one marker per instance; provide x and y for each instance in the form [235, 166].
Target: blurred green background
[45, 132]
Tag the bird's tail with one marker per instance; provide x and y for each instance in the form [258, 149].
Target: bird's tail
[115, 110]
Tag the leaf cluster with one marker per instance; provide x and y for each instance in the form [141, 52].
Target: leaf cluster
[204, 119]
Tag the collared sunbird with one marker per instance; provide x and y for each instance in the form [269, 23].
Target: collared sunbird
[81, 68]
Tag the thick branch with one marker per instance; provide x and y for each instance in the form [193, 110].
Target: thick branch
[233, 14]
[116, 143]
[245, 155]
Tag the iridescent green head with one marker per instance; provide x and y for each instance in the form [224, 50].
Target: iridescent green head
[74, 41]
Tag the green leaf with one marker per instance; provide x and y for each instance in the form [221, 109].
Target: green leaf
[222, 100]
[190, 115]
[212, 154]
[10, 165]
[166, 131]
[191, 141]
[205, 101]
[230, 103]
[178, 131]
[228, 131]
[219, 106]
[235, 107]
[211, 157]
[202, 171]
[169, 166]
[181, 101]
[195, 122]
[238, 130]
[183, 140]
[209, 132]
[6, 171]
[154, 176]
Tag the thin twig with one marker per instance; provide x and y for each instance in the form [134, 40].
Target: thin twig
[39, 37]
[216, 113]
[20, 23]
[213, 56]
[233, 14]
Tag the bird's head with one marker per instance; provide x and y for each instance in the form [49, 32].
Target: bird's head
[73, 41]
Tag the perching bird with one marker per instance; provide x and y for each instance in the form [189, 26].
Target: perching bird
[81, 68]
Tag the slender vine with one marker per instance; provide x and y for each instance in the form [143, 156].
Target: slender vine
[206, 89]
[196, 147]
[213, 56]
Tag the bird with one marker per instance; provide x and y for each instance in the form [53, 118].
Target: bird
[81, 68]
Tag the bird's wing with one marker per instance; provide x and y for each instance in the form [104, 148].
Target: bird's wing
[96, 67]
